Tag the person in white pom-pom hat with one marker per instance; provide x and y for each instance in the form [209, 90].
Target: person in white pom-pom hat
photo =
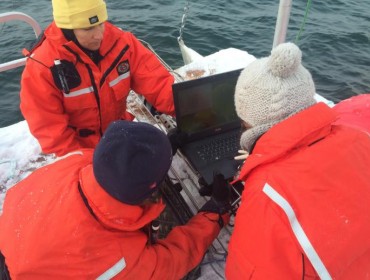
[303, 212]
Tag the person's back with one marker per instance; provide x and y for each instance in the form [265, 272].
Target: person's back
[44, 208]
[304, 208]
[317, 186]
[60, 223]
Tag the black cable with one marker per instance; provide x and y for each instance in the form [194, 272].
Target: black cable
[30, 57]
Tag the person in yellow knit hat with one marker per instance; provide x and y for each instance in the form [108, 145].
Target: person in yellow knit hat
[79, 74]
[79, 14]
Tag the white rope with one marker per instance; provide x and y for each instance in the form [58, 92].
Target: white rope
[188, 54]
[183, 21]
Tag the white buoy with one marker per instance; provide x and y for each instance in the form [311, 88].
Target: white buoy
[188, 54]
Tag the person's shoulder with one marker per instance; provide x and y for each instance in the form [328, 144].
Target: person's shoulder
[74, 160]
[44, 48]
[59, 173]
[46, 37]
[67, 166]
[113, 29]
[82, 156]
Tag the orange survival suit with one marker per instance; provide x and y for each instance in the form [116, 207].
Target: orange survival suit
[65, 120]
[355, 111]
[304, 212]
[58, 223]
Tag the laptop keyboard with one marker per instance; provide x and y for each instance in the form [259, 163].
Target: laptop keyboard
[219, 148]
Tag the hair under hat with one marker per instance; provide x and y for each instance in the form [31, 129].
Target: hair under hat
[131, 160]
[271, 89]
[73, 14]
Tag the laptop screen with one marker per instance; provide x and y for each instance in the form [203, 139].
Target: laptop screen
[206, 105]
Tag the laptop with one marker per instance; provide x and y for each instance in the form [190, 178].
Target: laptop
[205, 113]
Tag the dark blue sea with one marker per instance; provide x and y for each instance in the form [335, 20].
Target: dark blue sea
[335, 39]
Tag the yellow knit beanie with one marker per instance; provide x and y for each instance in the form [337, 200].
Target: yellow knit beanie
[72, 14]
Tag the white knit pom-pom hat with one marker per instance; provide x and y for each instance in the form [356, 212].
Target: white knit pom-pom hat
[271, 89]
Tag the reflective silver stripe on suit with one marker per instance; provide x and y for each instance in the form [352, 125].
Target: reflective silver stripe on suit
[78, 92]
[298, 232]
[119, 78]
[113, 271]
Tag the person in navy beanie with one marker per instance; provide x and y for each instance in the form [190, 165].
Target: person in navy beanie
[131, 160]
[89, 214]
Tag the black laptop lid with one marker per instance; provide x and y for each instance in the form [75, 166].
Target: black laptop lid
[205, 106]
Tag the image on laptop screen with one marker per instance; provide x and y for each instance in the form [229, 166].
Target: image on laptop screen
[206, 103]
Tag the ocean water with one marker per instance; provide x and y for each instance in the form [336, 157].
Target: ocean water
[335, 39]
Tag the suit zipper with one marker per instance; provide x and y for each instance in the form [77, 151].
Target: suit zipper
[95, 89]
[114, 64]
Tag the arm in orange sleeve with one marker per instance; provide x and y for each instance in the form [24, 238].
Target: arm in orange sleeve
[150, 78]
[42, 107]
[184, 247]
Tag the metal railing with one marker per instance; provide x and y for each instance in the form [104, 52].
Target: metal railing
[5, 17]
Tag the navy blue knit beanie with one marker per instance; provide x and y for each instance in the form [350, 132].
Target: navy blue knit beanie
[131, 160]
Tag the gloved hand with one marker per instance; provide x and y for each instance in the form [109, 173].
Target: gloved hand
[177, 139]
[220, 199]
[205, 189]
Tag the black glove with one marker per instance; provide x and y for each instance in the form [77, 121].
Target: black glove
[205, 189]
[220, 199]
[177, 139]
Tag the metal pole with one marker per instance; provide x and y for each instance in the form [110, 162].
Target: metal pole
[282, 22]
